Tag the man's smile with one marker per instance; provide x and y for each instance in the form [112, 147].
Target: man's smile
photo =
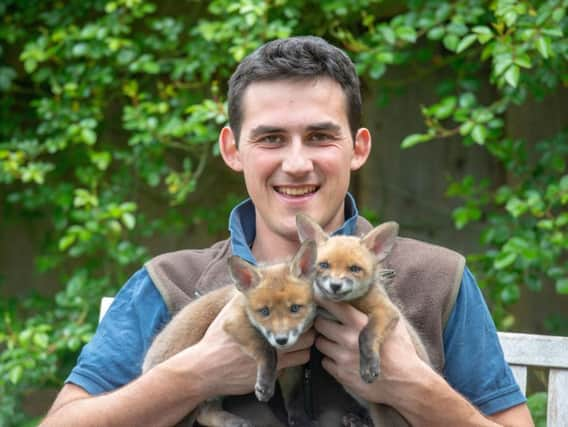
[296, 191]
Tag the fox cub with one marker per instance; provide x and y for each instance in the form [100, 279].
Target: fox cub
[274, 307]
[352, 269]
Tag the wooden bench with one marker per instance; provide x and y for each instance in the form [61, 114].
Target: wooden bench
[524, 350]
[521, 351]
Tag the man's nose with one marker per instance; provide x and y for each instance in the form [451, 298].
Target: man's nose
[297, 159]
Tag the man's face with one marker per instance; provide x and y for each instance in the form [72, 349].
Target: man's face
[296, 152]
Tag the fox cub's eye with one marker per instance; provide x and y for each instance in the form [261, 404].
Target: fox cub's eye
[324, 265]
[294, 308]
[355, 268]
[264, 311]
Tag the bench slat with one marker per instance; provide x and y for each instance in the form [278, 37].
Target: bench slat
[557, 411]
[105, 304]
[535, 350]
[520, 373]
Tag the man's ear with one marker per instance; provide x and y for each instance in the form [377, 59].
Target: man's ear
[361, 149]
[229, 150]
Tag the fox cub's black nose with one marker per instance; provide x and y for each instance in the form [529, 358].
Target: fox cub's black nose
[335, 287]
[282, 341]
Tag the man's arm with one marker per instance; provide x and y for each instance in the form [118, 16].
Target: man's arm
[161, 397]
[164, 395]
[406, 382]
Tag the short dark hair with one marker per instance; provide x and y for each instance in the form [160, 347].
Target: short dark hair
[304, 57]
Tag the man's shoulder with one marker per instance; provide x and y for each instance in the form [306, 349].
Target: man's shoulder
[427, 268]
[193, 258]
[183, 275]
[415, 253]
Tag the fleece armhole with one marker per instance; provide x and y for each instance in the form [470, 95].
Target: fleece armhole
[456, 285]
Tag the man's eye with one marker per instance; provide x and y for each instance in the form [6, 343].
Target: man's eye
[264, 311]
[324, 265]
[319, 137]
[294, 308]
[272, 139]
[355, 268]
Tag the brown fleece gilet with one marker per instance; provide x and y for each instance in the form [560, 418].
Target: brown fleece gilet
[425, 288]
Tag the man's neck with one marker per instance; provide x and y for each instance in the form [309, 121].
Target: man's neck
[271, 248]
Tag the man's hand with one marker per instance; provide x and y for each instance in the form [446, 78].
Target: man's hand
[339, 343]
[230, 371]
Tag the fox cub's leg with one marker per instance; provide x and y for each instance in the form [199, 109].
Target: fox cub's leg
[211, 414]
[382, 319]
[261, 351]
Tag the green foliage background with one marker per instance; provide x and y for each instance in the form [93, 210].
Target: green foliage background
[104, 100]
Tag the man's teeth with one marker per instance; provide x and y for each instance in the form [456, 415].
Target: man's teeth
[296, 191]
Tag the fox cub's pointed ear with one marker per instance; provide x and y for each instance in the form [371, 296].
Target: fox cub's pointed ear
[380, 240]
[244, 275]
[308, 229]
[304, 262]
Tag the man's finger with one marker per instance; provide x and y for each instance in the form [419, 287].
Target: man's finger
[294, 358]
[343, 312]
[331, 329]
[327, 347]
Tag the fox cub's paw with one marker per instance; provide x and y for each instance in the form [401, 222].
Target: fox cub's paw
[370, 367]
[264, 391]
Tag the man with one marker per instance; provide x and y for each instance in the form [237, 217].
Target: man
[294, 111]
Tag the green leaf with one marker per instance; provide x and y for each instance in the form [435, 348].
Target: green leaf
[30, 65]
[445, 108]
[523, 60]
[466, 128]
[543, 46]
[467, 100]
[466, 42]
[516, 207]
[388, 34]
[479, 133]
[451, 42]
[377, 70]
[16, 374]
[129, 220]
[562, 286]
[436, 33]
[414, 139]
[504, 260]
[41, 340]
[66, 241]
[484, 34]
[88, 136]
[512, 75]
[406, 33]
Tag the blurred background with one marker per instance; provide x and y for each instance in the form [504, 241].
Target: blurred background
[109, 116]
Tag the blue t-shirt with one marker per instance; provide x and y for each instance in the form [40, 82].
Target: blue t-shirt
[474, 363]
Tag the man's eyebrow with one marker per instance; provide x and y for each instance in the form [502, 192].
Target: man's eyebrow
[264, 129]
[324, 126]
[314, 127]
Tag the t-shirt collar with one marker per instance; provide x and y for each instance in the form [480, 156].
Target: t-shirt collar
[242, 226]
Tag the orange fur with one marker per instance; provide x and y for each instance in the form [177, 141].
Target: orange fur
[352, 269]
[274, 306]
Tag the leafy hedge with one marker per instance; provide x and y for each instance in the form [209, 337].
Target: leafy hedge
[103, 101]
